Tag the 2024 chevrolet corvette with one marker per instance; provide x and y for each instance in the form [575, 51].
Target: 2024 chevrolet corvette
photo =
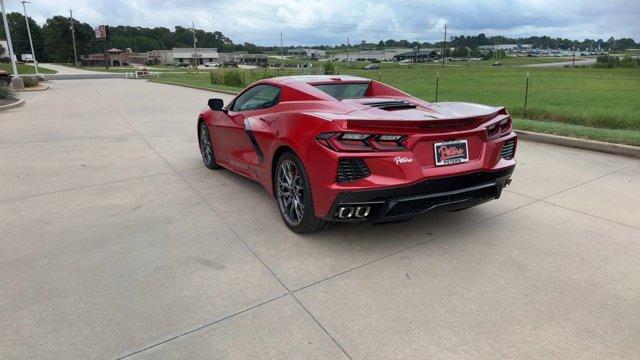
[342, 148]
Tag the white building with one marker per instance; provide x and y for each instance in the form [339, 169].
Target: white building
[379, 55]
[307, 53]
[507, 47]
[186, 55]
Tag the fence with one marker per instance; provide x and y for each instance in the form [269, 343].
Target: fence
[602, 98]
[591, 97]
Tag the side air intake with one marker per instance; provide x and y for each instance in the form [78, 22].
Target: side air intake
[508, 149]
[350, 169]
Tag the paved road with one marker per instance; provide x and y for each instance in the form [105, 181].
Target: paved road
[68, 70]
[579, 61]
[117, 242]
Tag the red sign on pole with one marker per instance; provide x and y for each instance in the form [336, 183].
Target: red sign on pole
[101, 31]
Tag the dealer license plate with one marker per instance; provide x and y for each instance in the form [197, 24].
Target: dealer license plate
[451, 152]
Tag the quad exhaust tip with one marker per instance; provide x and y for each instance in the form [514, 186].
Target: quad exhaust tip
[357, 212]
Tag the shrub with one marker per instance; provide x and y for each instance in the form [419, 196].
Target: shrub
[233, 78]
[30, 81]
[215, 77]
[329, 68]
[6, 93]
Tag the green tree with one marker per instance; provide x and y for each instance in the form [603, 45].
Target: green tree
[20, 36]
[57, 39]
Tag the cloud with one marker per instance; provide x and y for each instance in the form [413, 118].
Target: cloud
[322, 22]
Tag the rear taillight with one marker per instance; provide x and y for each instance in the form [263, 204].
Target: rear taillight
[358, 142]
[499, 128]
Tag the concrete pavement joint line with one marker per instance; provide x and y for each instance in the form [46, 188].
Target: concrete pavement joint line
[544, 199]
[591, 215]
[586, 182]
[321, 326]
[414, 246]
[202, 327]
[268, 268]
[569, 188]
[83, 187]
[221, 219]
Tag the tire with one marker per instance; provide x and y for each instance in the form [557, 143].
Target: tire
[206, 147]
[296, 209]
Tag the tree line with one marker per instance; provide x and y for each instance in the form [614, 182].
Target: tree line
[52, 41]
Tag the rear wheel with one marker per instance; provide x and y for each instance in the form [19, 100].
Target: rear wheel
[206, 147]
[293, 194]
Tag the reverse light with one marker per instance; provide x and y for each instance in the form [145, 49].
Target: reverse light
[354, 136]
[361, 142]
[390, 137]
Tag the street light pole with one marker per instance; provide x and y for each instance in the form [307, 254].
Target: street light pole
[73, 38]
[195, 50]
[444, 44]
[26, 19]
[9, 45]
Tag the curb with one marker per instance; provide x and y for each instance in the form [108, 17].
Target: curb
[605, 147]
[228, 92]
[11, 106]
[35, 88]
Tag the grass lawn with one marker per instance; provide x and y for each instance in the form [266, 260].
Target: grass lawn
[628, 137]
[601, 98]
[25, 69]
[600, 104]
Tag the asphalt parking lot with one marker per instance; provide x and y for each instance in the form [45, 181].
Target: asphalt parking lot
[115, 241]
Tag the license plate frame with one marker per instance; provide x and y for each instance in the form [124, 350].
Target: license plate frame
[451, 152]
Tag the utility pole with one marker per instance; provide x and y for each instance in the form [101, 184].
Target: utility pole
[9, 45]
[26, 19]
[195, 50]
[347, 51]
[444, 44]
[281, 48]
[73, 38]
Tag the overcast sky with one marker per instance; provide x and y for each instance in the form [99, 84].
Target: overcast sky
[329, 22]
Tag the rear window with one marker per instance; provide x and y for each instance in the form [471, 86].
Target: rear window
[344, 91]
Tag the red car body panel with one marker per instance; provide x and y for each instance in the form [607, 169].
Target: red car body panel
[249, 142]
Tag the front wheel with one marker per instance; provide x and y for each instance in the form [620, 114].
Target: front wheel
[206, 147]
[293, 194]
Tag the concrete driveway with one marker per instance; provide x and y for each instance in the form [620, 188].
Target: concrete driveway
[115, 242]
[69, 70]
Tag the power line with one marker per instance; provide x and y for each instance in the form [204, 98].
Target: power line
[272, 18]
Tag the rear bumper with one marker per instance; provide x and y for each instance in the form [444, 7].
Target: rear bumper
[446, 193]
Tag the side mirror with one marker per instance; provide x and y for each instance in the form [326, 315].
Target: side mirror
[216, 104]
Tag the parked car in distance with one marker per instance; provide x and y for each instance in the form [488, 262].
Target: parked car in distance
[372, 67]
[182, 64]
[335, 148]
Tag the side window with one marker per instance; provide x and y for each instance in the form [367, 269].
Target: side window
[258, 97]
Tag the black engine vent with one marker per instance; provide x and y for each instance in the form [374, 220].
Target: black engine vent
[350, 169]
[392, 105]
[508, 149]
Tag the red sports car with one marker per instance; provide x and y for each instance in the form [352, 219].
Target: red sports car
[343, 148]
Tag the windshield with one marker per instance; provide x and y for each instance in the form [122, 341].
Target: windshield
[344, 91]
